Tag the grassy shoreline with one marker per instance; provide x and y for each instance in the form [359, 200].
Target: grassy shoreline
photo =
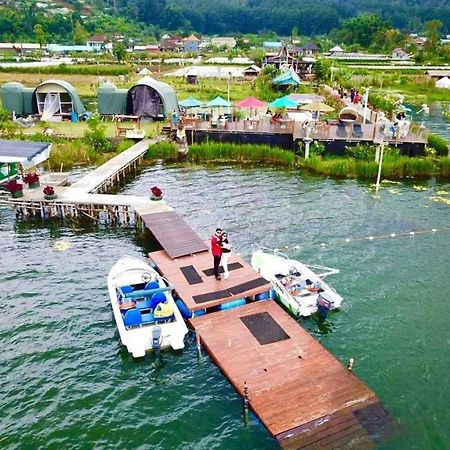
[394, 167]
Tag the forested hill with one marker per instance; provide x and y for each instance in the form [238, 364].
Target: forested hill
[148, 19]
[310, 16]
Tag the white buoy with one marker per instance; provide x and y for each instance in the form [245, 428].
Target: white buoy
[323, 244]
[411, 233]
[371, 238]
[347, 240]
[393, 235]
[433, 230]
[297, 247]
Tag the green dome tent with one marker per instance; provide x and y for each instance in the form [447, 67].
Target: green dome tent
[52, 97]
[148, 97]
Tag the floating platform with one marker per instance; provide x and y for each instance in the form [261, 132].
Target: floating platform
[195, 283]
[302, 394]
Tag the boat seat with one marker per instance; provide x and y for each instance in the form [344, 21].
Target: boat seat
[150, 318]
[123, 291]
[142, 293]
[151, 285]
[133, 318]
[146, 304]
[157, 298]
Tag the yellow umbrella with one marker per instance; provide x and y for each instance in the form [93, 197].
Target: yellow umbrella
[317, 107]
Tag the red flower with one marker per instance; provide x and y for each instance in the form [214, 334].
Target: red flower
[13, 186]
[156, 191]
[31, 178]
[48, 190]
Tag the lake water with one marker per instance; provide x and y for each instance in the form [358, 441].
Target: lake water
[435, 120]
[67, 383]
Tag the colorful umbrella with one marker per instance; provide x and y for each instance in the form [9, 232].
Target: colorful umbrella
[191, 102]
[250, 102]
[283, 102]
[217, 102]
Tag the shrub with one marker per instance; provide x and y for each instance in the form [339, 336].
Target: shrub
[95, 135]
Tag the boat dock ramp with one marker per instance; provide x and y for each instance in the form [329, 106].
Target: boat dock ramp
[299, 391]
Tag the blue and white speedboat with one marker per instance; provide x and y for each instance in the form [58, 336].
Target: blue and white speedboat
[145, 313]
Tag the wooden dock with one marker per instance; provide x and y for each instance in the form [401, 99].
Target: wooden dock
[104, 177]
[302, 394]
[290, 135]
[195, 284]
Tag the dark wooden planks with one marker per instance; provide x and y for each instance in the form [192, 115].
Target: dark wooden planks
[174, 234]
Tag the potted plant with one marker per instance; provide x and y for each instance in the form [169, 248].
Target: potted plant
[15, 188]
[32, 179]
[49, 193]
[156, 193]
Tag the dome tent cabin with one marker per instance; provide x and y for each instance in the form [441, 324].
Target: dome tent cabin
[50, 98]
[148, 97]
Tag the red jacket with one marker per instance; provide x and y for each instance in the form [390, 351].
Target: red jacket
[215, 247]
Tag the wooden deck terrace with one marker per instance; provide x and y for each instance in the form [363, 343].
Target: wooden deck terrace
[302, 394]
[196, 285]
[322, 131]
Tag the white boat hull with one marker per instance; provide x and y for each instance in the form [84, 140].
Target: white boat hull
[128, 271]
[298, 293]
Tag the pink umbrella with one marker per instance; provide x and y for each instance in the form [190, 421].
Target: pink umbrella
[250, 102]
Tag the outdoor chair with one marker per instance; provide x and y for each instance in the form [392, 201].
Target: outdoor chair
[341, 130]
[357, 130]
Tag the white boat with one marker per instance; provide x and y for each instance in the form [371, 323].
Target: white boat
[296, 285]
[146, 315]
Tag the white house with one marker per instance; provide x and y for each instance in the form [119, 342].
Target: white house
[399, 53]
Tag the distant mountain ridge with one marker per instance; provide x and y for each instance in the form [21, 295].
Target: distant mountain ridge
[145, 18]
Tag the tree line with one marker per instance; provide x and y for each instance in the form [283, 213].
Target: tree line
[361, 22]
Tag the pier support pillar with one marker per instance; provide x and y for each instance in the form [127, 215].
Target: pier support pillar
[307, 141]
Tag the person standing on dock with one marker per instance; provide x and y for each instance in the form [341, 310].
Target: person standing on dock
[226, 250]
[216, 249]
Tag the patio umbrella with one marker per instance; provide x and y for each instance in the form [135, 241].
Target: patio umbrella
[250, 102]
[218, 102]
[284, 102]
[317, 107]
[191, 102]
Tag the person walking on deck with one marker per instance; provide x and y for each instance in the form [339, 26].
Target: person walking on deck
[216, 250]
[226, 250]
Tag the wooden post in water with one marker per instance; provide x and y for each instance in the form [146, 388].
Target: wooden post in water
[246, 404]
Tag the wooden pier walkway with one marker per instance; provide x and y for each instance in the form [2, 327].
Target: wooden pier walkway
[303, 395]
[102, 178]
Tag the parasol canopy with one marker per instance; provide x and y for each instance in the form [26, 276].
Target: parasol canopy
[190, 102]
[250, 102]
[284, 102]
[217, 102]
[316, 107]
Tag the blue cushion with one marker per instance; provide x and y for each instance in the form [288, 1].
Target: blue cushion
[146, 304]
[126, 289]
[149, 318]
[157, 298]
[133, 318]
[151, 285]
